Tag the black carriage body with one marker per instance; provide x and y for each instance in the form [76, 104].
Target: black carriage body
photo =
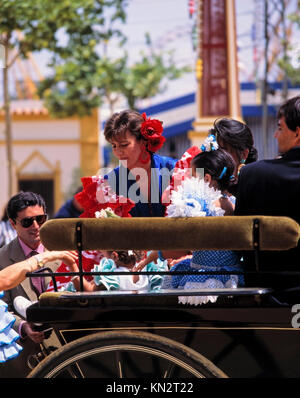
[242, 337]
[246, 333]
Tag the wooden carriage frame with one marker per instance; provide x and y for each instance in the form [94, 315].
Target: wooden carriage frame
[128, 325]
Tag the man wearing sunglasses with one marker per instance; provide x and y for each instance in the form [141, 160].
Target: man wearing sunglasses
[27, 213]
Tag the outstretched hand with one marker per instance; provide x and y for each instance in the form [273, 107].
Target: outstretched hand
[175, 261]
[139, 266]
[68, 257]
[152, 257]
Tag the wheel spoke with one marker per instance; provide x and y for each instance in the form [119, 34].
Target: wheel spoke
[169, 371]
[125, 354]
[74, 371]
[119, 362]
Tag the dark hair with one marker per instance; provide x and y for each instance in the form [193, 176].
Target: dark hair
[213, 163]
[290, 110]
[120, 122]
[21, 201]
[129, 259]
[236, 134]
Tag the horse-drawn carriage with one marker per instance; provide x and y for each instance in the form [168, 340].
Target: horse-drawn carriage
[247, 332]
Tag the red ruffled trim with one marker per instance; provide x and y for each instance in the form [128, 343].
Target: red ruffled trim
[180, 172]
[89, 259]
[87, 198]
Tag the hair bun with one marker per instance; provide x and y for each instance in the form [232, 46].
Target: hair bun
[252, 156]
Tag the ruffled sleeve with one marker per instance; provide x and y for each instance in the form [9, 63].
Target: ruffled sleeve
[156, 281]
[111, 282]
[8, 347]
[68, 287]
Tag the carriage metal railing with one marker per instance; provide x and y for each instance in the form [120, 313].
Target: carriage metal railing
[242, 233]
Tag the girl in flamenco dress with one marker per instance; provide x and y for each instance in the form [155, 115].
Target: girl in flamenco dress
[8, 346]
[98, 200]
[120, 261]
[203, 194]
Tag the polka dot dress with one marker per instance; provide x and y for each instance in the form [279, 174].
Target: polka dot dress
[207, 261]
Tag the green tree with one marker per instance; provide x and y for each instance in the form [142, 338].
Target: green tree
[149, 76]
[70, 29]
[292, 71]
[86, 77]
[144, 79]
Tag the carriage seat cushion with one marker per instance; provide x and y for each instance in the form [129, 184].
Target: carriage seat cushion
[211, 233]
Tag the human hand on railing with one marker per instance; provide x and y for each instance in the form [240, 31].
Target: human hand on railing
[139, 266]
[172, 262]
[14, 274]
[28, 330]
[68, 257]
[153, 256]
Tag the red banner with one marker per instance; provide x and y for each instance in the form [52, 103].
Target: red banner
[215, 91]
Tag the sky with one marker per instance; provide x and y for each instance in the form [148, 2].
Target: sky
[169, 25]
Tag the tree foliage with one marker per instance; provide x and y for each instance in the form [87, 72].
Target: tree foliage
[292, 69]
[70, 30]
[41, 22]
[148, 77]
[86, 79]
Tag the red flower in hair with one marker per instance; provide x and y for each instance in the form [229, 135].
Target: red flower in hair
[156, 144]
[151, 130]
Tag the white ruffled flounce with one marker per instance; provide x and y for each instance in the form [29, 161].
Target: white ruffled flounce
[194, 198]
[8, 347]
[210, 283]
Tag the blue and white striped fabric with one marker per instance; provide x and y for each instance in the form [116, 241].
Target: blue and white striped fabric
[8, 347]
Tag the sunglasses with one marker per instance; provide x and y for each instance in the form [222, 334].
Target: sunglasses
[28, 221]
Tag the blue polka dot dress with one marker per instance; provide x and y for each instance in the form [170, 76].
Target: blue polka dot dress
[207, 261]
[8, 347]
[194, 197]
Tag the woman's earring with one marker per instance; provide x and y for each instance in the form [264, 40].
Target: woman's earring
[144, 155]
[242, 163]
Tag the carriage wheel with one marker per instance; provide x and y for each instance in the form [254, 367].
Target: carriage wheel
[124, 355]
